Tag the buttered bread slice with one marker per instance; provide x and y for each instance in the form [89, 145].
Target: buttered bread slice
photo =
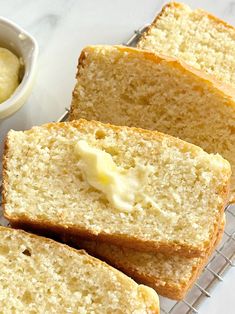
[133, 187]
[42, 276]
[128, 86]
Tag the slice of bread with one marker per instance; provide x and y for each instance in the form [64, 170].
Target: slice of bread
[194, 36]
[177, 209]
[171, 277]
[127, 86]
[39, 275]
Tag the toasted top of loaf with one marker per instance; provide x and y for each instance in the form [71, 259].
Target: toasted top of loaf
[127, 86]
[39, 275]
[170, 276]
[186, 187]
[195, 36]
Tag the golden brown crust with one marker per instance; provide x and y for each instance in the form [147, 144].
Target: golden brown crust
[81, 60]
[203, 262]
[226, 90]
[118, 239]
[203, 12]
[44, 226]
[4, 171]
[168, 289]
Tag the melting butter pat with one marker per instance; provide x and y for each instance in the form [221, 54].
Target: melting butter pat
[120, 186]
[9, 73]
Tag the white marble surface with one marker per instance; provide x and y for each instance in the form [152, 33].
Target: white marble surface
[62, 28]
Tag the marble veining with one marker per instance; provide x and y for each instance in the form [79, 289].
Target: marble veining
[230, 9]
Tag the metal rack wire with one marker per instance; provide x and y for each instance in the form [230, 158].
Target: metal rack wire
[220, 262]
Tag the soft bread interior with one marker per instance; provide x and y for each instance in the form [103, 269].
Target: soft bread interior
[125, 86]
[195, 36]
[42, 276]
[44, 184]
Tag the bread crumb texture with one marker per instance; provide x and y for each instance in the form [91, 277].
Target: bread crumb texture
[174, 270]
[41, 276]
[171, 276]
[43, 182]
[126, 86]
[198, 38]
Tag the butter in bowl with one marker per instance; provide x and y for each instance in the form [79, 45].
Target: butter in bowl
[18, 56]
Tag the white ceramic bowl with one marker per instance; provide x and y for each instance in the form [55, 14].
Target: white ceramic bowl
[24, 46]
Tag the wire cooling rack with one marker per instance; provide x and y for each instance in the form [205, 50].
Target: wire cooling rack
[221, 261]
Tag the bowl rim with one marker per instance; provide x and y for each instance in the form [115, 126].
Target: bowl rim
[19, 96]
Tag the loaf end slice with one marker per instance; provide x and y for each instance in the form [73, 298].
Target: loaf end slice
[194, 36]
[177, 191]
[39, 275]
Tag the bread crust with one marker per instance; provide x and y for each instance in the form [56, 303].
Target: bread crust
[224, 89]
[81, 60]
[43, 226]
[149, 298]
[168, 289]
[182, 249]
